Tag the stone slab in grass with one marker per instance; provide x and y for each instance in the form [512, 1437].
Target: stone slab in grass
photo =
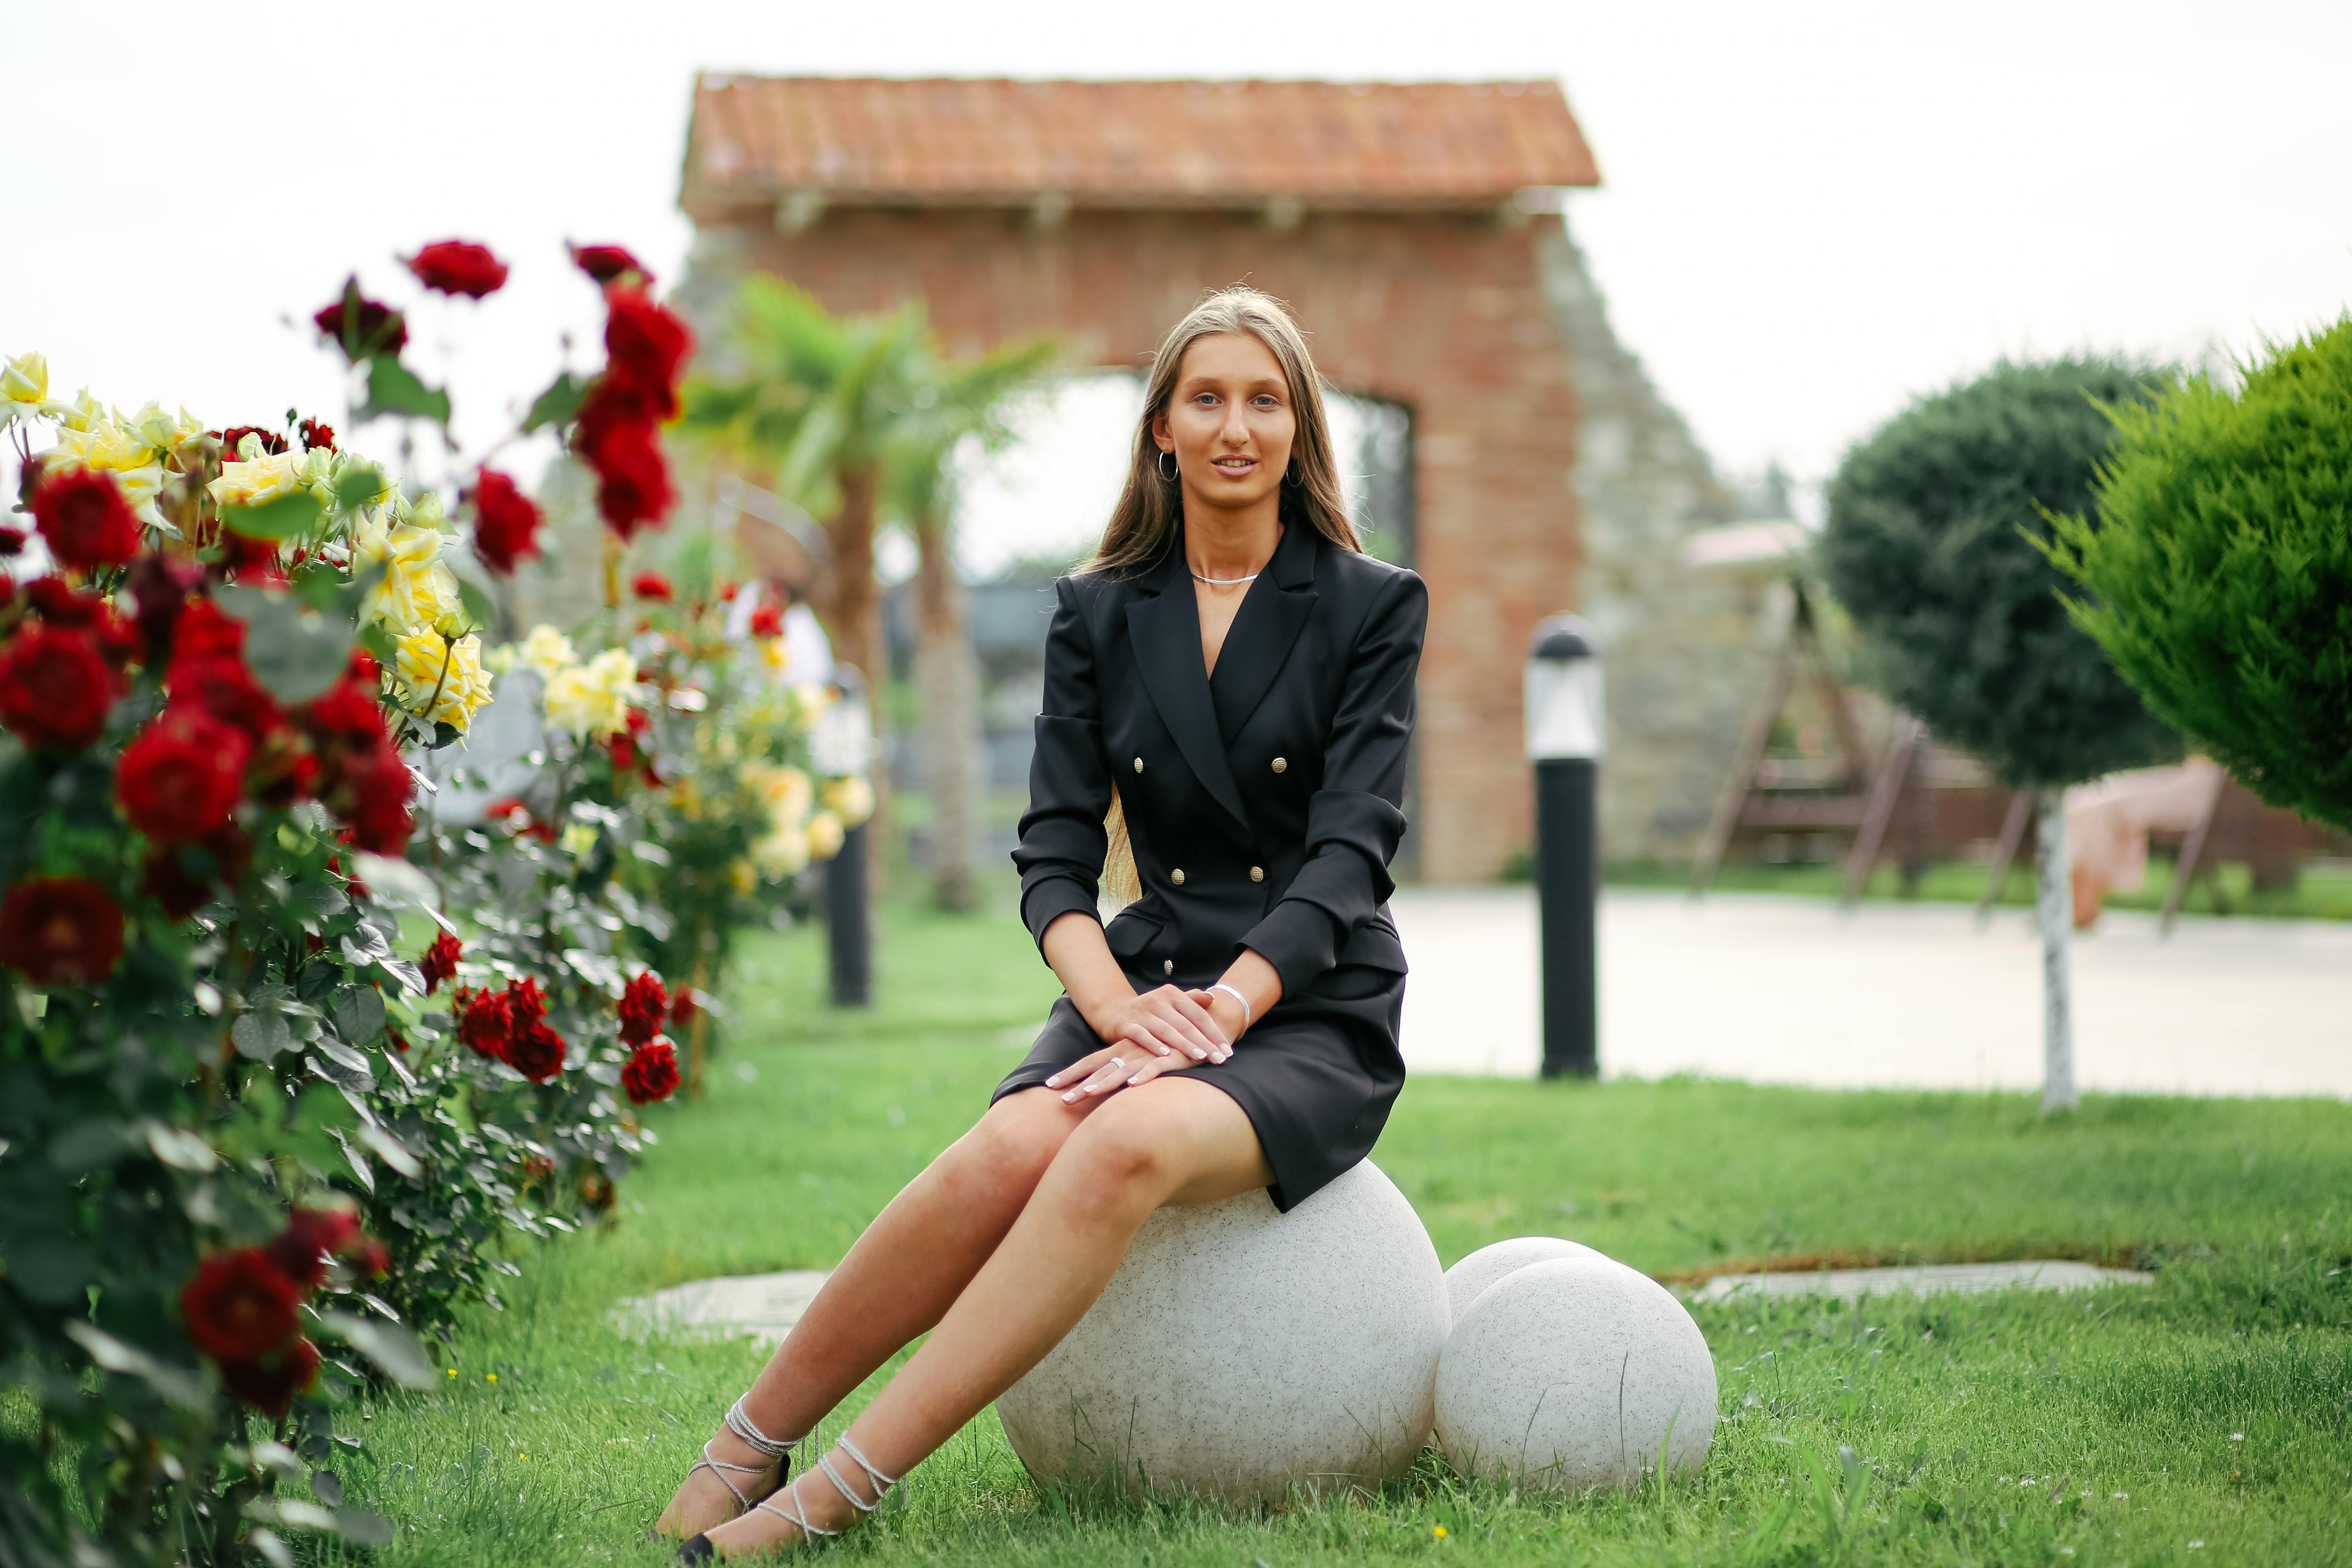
[1923, 1279]
[758, 1306]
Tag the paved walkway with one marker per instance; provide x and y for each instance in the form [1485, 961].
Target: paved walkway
[1926, 1280]
[1787, 989]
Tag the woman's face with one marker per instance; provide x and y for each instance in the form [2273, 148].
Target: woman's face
[1229, 421]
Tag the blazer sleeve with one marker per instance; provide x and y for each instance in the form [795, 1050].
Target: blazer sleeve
[1354, 821]
[1063, 842]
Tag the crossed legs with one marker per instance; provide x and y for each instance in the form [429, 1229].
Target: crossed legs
[997, 1248]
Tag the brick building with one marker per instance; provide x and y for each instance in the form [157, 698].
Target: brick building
[1411, 227]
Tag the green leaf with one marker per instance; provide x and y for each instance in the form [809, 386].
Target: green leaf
[358, 1012]
[280, 517]
[295, 651]
[393, 388]
[177, 1147]
[389, 1149]
[177, 1384]
[359, 484]
[262, 1035]
[51, 1271]
[557, 404]
[362, 1528]
[479, 610]
[342, 1065]
[390, 1347]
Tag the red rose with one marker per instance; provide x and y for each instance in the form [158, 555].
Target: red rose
[484, 1022]
[645, 343]
[526, 1000]
[207, 629]
[55, 687]
[644, 1004]
[767, 621]
[535, 1050]
[317, 436]
[372, 328]
[234, 437]
[651, 1073]
[311, 1237]
[606, 262]
[59, 603]
[652, 586]
[168, 878]
[12, 540]
[269, 1386]
[86, 519]
[181, 777]
[240, 1306]
[361, 779]
[61, 931]
[373, 1259]
[456, 267]
[440, 962]
[633, 485]
[506, 522]
[160, 588]
[683, 1006]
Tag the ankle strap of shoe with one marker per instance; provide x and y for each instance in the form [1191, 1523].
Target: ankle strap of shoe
[739, 1422]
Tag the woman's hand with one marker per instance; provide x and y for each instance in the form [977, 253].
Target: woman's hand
[1160, 1029]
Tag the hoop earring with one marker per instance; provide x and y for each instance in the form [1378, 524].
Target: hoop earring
[1293, 477]
[1167, 465]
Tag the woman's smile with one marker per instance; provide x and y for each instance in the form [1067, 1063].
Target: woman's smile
[1234, 466]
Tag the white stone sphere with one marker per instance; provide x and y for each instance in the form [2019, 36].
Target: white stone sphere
[1468, 1279]
[1567, 1375]
[1240, 1351]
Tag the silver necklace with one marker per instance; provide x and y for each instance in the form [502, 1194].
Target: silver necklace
[1223, 582]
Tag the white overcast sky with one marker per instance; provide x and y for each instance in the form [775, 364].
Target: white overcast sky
[1811, 211]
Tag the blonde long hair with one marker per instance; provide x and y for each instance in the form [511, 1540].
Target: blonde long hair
[1151, 506]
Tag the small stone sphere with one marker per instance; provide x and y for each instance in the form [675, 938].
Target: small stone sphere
[1570, 1374]
[1482, 1268]
[1240, 1351]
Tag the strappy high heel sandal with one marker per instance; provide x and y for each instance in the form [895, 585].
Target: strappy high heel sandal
[738, 1422]
[791, 1512]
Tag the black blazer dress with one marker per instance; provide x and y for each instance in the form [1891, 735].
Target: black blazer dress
[1263, 805]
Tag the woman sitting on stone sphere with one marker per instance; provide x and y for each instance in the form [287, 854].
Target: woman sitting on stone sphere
[1229, 696]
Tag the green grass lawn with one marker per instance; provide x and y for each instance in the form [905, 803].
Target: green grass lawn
[2206, 1419]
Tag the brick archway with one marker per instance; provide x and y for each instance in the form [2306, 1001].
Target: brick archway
[1395, 237]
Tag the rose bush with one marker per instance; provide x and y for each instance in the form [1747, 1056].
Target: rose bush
[245, 1143]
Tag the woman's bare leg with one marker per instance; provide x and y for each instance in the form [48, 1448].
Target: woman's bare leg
[911, 1263]
[1170, 1140]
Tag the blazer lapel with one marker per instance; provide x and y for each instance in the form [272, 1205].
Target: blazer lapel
[1270, 619]
[1165, 627]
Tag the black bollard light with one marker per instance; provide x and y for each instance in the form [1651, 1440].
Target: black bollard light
[1564, 741]
[842, 741]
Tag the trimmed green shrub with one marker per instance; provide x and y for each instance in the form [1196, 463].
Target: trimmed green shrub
[1934, 522]
[2219, 573]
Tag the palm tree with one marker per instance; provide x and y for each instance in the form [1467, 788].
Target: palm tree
[846, 408]
[962, 401]
[823, 397]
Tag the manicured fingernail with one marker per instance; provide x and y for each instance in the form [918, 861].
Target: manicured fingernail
[1070, 1097]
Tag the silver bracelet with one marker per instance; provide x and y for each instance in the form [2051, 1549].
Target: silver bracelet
[1249, 1015]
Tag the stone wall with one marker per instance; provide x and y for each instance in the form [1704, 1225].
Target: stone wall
[1687, 651]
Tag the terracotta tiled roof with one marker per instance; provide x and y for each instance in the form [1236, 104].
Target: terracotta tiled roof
[1127, 144]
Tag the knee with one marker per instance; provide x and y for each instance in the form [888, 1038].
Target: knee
[1014, 1141]
[1116, 1159]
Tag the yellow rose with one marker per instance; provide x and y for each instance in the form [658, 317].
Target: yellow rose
[105, 444]
[84, 413]
[776, 655]
[25, 389]
[849, 797]
[579, 841]
[825, 835]
[166, 432]
[780, 853]
[415, 591]
[741, 876]
[442, 680]
[262, 478]
[593, 699]
[545, 650]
